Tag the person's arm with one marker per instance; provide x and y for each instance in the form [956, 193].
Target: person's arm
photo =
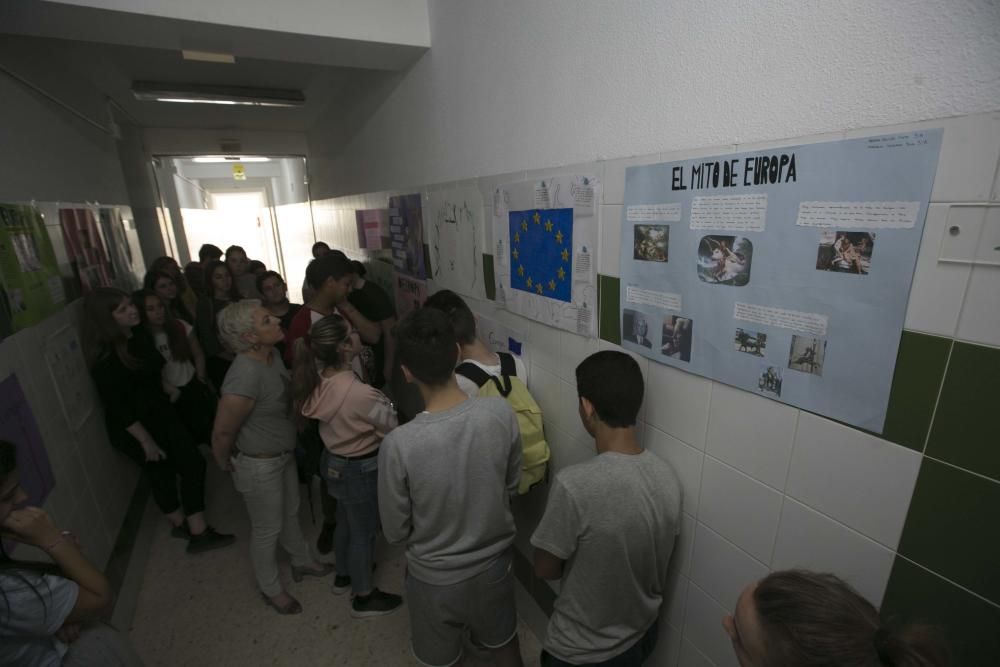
[369, 331]
[378, 410]
[548, 565]
[114, 386]
[197, 356]
[558, 533]
[32, 525]
[393, 495]
[232, 412]
[205, 327]
[389, 346]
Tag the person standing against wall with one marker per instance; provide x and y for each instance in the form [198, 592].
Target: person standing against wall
[239, 266]
[372, 302]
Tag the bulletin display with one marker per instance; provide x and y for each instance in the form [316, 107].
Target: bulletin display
[784, 272]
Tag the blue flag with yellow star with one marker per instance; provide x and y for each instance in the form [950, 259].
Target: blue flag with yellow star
[541, 252]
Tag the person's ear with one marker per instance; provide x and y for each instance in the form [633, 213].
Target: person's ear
[407, 374]
[587, 408]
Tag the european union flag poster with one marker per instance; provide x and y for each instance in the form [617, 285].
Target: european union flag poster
[541, 252]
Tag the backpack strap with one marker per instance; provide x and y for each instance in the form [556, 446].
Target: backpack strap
[480, 377]
[507, 365]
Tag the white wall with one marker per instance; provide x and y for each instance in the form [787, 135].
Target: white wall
[521, 84]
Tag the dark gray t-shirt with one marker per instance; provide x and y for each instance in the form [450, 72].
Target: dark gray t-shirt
[613, 519]
[268, 428]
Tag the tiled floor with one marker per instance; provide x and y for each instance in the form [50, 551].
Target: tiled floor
[205, 610]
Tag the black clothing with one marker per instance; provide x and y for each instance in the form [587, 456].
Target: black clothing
[372, 302]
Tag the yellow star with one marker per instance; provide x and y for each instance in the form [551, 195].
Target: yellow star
[539, 288]
[565, 254]
[520, 271]
[528, 282]
[561, 273]
[559, 236]
[517, 237]
[524, 225]
[537, 217]
[516, 253]
[548, 225]
[552, 286]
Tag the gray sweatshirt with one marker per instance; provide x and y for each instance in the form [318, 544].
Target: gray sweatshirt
[444, 483]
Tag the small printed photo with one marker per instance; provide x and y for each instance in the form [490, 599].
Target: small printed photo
[26, 251]
[807, 354]
[725, 260]
[769, 381]
[751, 342]
[635, 328]
[676, 340]
[845, 252]
[651, 243]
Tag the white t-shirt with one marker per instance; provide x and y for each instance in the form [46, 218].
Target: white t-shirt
[35, 607]
[175, 373]
[470, 388]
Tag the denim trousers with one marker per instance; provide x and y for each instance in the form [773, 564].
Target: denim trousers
[354, 483]
[270, 488]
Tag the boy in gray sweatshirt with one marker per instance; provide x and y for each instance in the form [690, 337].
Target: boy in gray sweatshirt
[444, 483]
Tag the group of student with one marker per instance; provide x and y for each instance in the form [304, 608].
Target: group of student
[304, 390]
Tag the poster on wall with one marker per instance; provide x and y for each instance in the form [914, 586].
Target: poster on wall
[406, 235]
[498, 336]
[545, 240]
[409, 294]
[373, 228]
[70, 375]
[19, 426]
[32, 285]
[123, 265]
[785, 272]
[455, 239]
[85, 248]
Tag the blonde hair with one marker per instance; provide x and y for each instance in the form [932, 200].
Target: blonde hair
[235, 321]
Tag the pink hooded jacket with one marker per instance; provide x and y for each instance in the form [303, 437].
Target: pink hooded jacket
[353, 416]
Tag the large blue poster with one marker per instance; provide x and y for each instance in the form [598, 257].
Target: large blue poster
[785, 272]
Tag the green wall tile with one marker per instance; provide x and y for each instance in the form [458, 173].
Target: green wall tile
[489, 278]
[952, 527]
[920, 367]
[609, 301]
[965, 425]
[969, 624]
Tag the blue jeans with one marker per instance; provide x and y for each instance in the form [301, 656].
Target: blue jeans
[354, 483]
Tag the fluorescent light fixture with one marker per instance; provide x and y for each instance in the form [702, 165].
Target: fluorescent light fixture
[216, 159]
[206, 94]
[208, 56]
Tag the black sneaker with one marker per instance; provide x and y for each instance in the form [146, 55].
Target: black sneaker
[376, 603]
[341, 584]
[208, 540]
[324, 543]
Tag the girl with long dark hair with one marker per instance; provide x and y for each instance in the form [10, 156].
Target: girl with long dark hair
[140, 419]
[185, 293]
[164, 285]
[220, 291]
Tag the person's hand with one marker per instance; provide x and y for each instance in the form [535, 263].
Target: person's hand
[152, 451]
[224, 462]
[173, 393]
[31, 525]
[68, 633]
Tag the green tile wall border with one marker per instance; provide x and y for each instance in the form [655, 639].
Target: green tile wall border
[489, 277]
[953, 528]
[609, 303]
[917, 380]
[969, 623]
[965, 425]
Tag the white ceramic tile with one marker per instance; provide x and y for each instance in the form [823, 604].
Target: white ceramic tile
[964, 227]
[680, 560]
[809, 540]
[668, 646]
[674, 598]
[677, 403]
[739, 508]
[609, 251]
[568, 414]
[744, 147]
[614, 175]
[968, 159]
[722, 569]
[685, 460]
[854, 477]
[692, 657]
[751, 433]
[546, 347]
[574, 350]
[703, 628]
[980, 319]
[566, 450]
[581, 168]
[938, 287]
[546, 389]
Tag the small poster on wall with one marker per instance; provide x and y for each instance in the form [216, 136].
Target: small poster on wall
[85, 248]
[19, 426]
[373, 228]
[410, 294]
[32, 286]
[406, 234]
[68, 368]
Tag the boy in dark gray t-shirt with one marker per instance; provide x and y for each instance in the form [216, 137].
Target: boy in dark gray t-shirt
[444, 483]
[608, 529]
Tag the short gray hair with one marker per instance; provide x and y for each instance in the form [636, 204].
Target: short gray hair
[235, 321]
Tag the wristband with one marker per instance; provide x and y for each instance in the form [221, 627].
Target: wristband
[64, 536]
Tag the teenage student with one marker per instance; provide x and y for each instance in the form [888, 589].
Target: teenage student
[166, 287]
[274, 297]
[185, 294]
[353, 418]
[372, 302]
[220, 291]
[243, 278]
[445, 481]
[609, 528]
[318, 250]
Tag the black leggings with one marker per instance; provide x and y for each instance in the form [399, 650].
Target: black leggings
[183, 461]
[196, 409]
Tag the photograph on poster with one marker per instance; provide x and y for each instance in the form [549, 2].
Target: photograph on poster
[769, 380]
[750, 342]
[677, 336]
[845, 252]
[635, 328]
[807, 354]
[652, 243]
[725, 260]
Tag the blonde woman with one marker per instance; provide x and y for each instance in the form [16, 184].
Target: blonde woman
[254, 438]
